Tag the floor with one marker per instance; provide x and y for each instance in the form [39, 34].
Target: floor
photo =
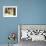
[28, 43]
[7, 45]
[32, 43]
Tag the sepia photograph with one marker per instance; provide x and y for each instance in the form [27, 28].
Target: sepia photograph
[10, 11]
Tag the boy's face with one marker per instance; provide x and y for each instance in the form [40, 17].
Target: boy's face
[10, 11]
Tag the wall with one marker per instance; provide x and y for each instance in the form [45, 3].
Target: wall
[29, 12]
[7, 25]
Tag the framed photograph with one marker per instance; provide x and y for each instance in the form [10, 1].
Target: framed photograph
[9, 11]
